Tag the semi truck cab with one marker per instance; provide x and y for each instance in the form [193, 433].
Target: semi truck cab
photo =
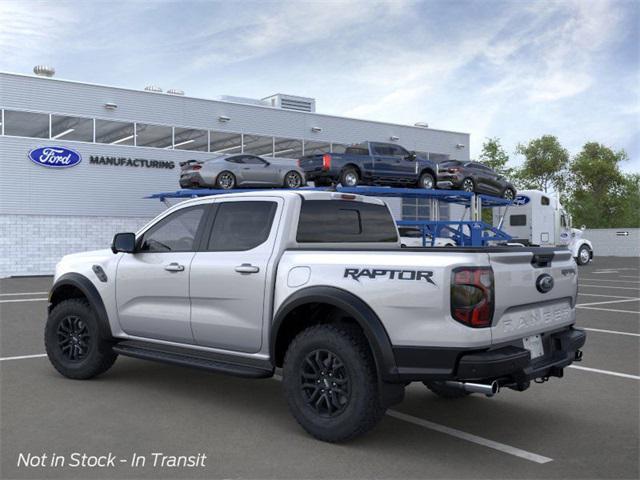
[538, 219]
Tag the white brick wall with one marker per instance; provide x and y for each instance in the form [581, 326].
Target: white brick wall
[33, 244]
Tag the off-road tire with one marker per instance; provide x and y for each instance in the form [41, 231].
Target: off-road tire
[363, 409]
[347, 173]
[440, 389]
[99, 356]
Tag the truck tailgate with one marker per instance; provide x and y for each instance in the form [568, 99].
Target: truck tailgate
[522, 306]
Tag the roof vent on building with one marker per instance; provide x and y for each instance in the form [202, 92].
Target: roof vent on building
[44, 71]
[421, 124]
[175, 91]
[153, 88]
[291, 102]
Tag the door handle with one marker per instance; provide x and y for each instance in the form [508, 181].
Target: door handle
[247, 268]
[174, 267]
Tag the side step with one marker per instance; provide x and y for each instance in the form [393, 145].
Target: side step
[195, 359]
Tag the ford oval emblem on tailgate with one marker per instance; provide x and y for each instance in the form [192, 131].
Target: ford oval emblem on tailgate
[55, 157]
[544, 283]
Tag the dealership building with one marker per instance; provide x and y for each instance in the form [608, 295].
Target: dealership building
[128, 144]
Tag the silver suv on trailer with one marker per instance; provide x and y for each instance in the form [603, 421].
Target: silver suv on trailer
[315, 283]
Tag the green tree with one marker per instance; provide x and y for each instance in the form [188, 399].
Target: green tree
[600, 195]
[494, 156]
[544, 166]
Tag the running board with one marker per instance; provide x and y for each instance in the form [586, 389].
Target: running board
[194, 359]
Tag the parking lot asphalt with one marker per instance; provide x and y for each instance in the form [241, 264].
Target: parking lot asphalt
[585, 425]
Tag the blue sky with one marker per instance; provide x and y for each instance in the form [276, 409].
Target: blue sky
[514, 70]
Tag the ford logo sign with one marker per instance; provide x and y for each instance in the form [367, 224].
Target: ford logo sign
[521, 200]
[55, 157]
[544, 283]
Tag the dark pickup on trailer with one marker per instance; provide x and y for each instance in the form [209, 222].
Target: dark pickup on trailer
[371, 163]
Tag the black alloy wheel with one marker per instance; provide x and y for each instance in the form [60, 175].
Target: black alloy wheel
[325, 383]
[74, 340]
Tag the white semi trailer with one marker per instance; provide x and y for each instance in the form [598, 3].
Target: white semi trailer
[536, 218]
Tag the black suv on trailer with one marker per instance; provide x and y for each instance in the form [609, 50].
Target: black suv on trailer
[474, 177]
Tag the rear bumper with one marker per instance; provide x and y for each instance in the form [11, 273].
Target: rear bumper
[510, 364]
[190, 180]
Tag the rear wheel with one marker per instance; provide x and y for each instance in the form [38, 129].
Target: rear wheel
[293, 179]
[509, 194]
[349, 177]
[440, 389]
[427, 181]
[584, 255]
[468, 185]
[73, 342]
[331, 383]
[226, 180]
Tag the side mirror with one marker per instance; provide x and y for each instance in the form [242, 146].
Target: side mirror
[411, 156]
[583, 227]
[124, 242]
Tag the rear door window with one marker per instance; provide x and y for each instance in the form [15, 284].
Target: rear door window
[338, 221]
[240, 226]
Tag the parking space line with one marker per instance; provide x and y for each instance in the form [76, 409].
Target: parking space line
[608, 301]
[22, 357]
[606, 372]
[608, 280]
[612, 287]
[22, 293]
[601, 295]
[609, 310]
[616, 332]
[517, 452]
[16, 300]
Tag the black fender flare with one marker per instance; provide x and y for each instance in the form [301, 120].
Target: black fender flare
[92, 295]
[346, 301]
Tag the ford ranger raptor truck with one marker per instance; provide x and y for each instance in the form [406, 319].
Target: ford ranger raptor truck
[316, 284]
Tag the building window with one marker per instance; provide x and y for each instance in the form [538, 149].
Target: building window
[258, 145]
[313, 148]
[26, 124]
[416, 209]
[191, 139]
[114, 133]
[157, 136]
[71, 128]
[225, 143]
[287, 148]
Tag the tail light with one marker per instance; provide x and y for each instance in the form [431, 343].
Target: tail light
[299, 163]
[196, 167]
[472, 296]
[453, 170]
[326, 161]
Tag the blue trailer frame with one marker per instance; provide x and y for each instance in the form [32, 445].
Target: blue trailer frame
[473, 232]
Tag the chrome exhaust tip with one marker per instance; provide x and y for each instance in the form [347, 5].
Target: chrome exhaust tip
[487, 389]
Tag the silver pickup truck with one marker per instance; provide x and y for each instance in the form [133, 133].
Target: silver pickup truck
[317, 284]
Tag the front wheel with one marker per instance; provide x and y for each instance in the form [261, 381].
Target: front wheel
[468, 185]
[226, 180]
[509, 194]
[584, 255]
[427, 181]
[293, 179]
[331, 383]
[73, 341]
